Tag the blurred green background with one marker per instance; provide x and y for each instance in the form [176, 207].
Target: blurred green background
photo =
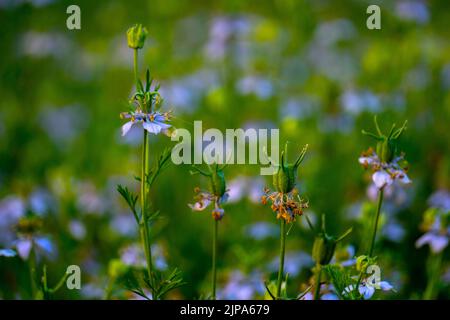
[310, 68]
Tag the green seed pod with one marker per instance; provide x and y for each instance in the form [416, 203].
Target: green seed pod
[362, 262]
[217, 182]
[284, 179]
[386, 150]
[136, 36]
[286, 175]
[323, 249]
[325, 245]
[386, 144]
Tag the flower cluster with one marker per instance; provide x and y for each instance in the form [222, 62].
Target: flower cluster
[385, 173]
[386, 165]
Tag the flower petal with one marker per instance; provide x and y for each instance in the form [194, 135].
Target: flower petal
[402, 177]
[385, 286]
[200, 205]
[126, 127]
[7, 253]
[23, 248]
[152, 127]
[381, 179]
[438, 243]
[426, 238]
[367, 291]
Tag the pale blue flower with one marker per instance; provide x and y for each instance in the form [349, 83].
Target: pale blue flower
[154, 122]
[42, 245]
[367, 290]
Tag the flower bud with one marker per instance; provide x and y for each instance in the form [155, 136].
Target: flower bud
[136, 36]
[325, 245]
[362, 262]
[386, 150]
[286, 175]
[323, 249]
[217, 182]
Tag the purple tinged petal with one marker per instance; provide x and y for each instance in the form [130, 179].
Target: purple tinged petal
[126, 127]
[151, 127]
[23, 248]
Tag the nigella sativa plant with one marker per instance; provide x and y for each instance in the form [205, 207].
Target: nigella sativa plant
[216, 195]
[387, 164]
[145, 105]
[286, 203]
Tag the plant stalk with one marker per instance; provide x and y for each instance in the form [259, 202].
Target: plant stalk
[214, 257]
[377, 218]
[282, 251]
[318, 276]
[144, 229]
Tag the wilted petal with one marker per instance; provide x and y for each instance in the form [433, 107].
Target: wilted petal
[200, 205]
[126, 127]
[381, 179]
[23, 248]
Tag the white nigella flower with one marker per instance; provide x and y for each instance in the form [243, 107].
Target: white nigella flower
[367, 290]
[154, 122]
[385, 174]
[205, 198]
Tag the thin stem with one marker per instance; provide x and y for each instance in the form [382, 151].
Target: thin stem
[318, 276]
[32, 266]
[282, 251]
[214, 256]
[434, 272]
[135, 66]
[377, 218]
[145, 233]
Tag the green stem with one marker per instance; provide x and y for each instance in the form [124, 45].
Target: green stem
[434, 272]
[318, 276]
[145, 233]
[214, 256]
[377, 218]
[135, 66]
[282, 251]
[32, 266]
